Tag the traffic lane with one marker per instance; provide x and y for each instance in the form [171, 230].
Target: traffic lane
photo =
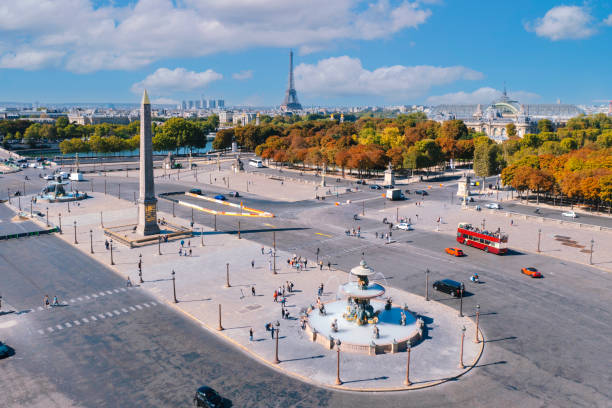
[8, 226]
[545, 212]
[47, 265]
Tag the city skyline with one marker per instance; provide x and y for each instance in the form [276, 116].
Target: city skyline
[348, 53]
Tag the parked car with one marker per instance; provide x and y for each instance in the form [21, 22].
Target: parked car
[421, 192]
[234, 194]
[49, 177]
[454, 251]
[404, 226]
[196, 191]
[468, 199]
[531, 271]
[449, 286]
[375, 187]
[207, 397]
[493, 206]
[361, 182]
[5, 351]
[570, 214]
[220, 197]
[388, 186]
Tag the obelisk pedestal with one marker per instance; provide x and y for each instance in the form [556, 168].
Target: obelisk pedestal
[147, 203]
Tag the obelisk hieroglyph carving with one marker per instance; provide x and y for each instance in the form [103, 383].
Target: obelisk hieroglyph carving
[147, 203]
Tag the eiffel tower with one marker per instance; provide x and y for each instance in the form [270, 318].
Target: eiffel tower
[291, 102]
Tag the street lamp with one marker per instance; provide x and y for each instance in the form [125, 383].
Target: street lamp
[60, 223]
[227, 283]
[91, 241]
[274, 251]
[338, 381]
[202, 235]
[461, 352]
[140, 268]
[111, 250]
[174, 286]
[483, 224]
[407, 379]
[47, 216]
[75, 240]
[477, 340]
[159, 239]
[591, 252]
[461, 300]
[427, 285]
[276, 360]
[539, 237]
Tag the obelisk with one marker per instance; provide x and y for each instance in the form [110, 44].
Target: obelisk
[147, 203]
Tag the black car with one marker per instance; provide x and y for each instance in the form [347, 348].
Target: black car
[375, 187]
[421, 192]
[207, 397]
[388, 186]
[5, 351]
[449, 286]
[361, 182]
[196, 191]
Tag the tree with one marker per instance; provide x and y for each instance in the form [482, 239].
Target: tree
[545, 125]
[531, 140]
[75, 145]
[32, 134]
[223, 139]
[539, 180]
[163, 142]
[61, 122]
[391, 137]
[511, 130]
[414, 159]
[485, 161]
[431, 150]
[453, 129]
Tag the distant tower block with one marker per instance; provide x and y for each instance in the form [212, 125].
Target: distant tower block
[610, 109]
[291, 102]
[147, 203]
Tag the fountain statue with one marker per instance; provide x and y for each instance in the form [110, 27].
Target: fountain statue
[360, 292]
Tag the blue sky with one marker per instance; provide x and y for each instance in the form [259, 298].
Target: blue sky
[348, 52]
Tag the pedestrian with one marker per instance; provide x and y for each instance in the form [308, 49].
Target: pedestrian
[282, 312]
[189, 242]
[320, 265]
[305, 263]
[253, 263]
[288, 286]
[262, 250]
[272, 332]
[55, 301]
[180, 251]
[358, 229]
[284, 301]
[511, 222]
[275, 296]
[106, 244]
[46, 301]
[329, 265]
[376, 234]
[251, 334]
[253, 290]
[182, 243]
[291, 286]
[128, 283]
[189, 251]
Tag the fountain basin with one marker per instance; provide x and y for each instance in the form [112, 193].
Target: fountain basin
[372, 290]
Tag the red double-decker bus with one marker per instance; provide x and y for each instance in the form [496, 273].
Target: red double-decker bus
[495, 242]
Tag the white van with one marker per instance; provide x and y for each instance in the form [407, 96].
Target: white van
[255, 163]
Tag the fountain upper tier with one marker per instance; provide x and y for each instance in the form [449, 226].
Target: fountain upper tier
[362, 288]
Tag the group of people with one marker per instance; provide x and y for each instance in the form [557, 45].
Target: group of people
[47, 303]
[185, 251]
[297, 262]
[354, 232]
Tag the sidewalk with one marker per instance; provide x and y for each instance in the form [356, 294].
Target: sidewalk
[201, 288]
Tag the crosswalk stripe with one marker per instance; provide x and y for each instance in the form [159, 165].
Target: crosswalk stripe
[94, 295]
[116, 312]
[68, 325]
[72, 300]
[87, 297]
[80, 299]
[41, 331]
[93, 318]
[123, 289]
[124, 310]
[50, 329]
[116, 291]
[146, 304]
[153, 303]
[76, 322]
[40, 308]
[138, 307]
[85, 320]
[101, 316]
[59, 327]
[109, 314]
[132, 308]
[109, 292]
[101, 293]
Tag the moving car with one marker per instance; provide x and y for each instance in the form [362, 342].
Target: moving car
[449, 286]
[207, 397]
[5, 351]
[531, 271]
[234, 194]
[454, 251]
[421, 192]
[388, 186]
[49, 177]
[404, 226]
[196, 191]
[493, 206]
[570, 214]
[375, 187]
[220, 197]
[361, 182]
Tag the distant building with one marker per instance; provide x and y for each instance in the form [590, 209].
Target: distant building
[243, 118]
[493, 119]
[226, 117]
[96, 119]
[220, 103]
[184, 105]
[211, 104]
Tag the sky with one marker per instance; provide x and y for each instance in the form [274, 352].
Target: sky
[347, 52]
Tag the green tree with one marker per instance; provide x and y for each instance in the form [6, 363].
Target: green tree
[61, 122]
[545, 125]
[569, 143]
[485, 160]
[511, 130]
[531, 140]
[454, 129]
[163, 142]
[223, 139]
[32, 135]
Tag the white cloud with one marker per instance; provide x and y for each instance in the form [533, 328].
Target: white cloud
[481, 95]
[345, 76]
[243, 75]
[166, 80]
[30, 59]
[130, 37]
[164, 101]
[608, 20]
[564, 23]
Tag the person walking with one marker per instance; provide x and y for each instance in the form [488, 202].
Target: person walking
[180, 251]
[190, 252]
[329, 265]
[106, 244]
[282, 312]
[253, 264]
[251, 334]
[253, 290]
[272, 332]
[182, 243]
[55, 301]
[320, 265]
[128, 283]
[262, 250]
[46, 301]
[275, 296]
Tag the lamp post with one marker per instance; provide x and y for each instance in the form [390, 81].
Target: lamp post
[47, 216]
[477, 340]
[202, 235]
[174, 286]
[318, 251]
[239, 237]
[483, 223]
[140, 268]
[105, 186]
[276, 360]
[227, 283]
[363, 208]
[461, 300]
[173, 208]
[111, 252]
[539, 237]
[215, 215]
[461, 350]
[68, 205]
[407, 379]
[31, 205]
[60, 223]
[427, 285]
[338, 380]
[101, 220]
[591, 252]
[91, 242]
[19, 202]
[397, 214]
[274, 252]
[191, 215]
[75, 240]
[119, 194]
[8, 192]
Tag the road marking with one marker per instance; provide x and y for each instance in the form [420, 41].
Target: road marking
[123, 289]
[72, 300]
[101, 293]
[40, 308]
[138, 307]
[94, 295]
[124, 310]
[116, 312]
[85, 320]
[87, 297]
[325, 235]
[269, 225]
[146, 304]
[76, 322]
[93, 318]
[109, 292]
[50, 329]
[80, 299]
[41, 331]
[109, 314]
[116, 291]
[101, 316]
[132, 308]
[68, 325]
[153, 303]
[59, 327]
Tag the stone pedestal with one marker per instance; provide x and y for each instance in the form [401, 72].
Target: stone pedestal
[389, 176]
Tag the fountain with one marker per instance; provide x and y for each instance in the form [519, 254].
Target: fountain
[55, 191]
[362, 321]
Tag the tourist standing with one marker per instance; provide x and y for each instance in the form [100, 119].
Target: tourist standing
[251, 334]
